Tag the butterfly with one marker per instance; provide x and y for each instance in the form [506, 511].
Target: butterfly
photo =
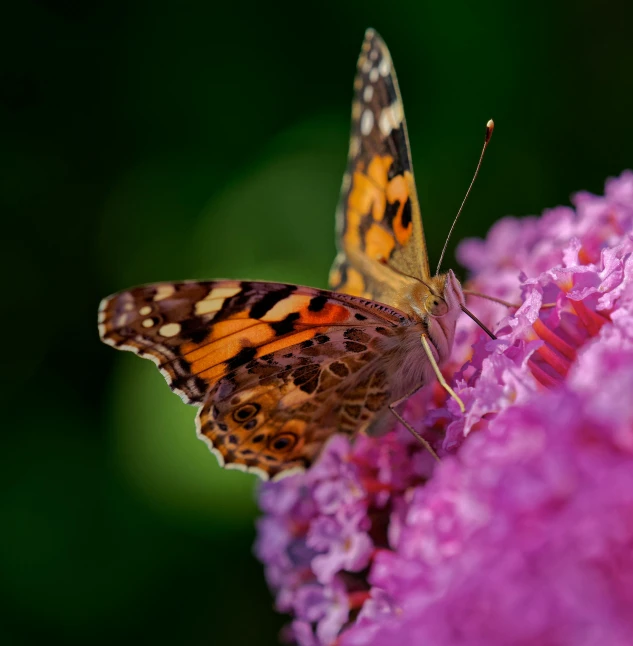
[276, 369]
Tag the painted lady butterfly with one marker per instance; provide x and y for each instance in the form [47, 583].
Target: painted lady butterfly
[276, 369]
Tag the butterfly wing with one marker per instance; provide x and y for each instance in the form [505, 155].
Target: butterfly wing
[274, 414]
[276, 368]
[378, 213]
